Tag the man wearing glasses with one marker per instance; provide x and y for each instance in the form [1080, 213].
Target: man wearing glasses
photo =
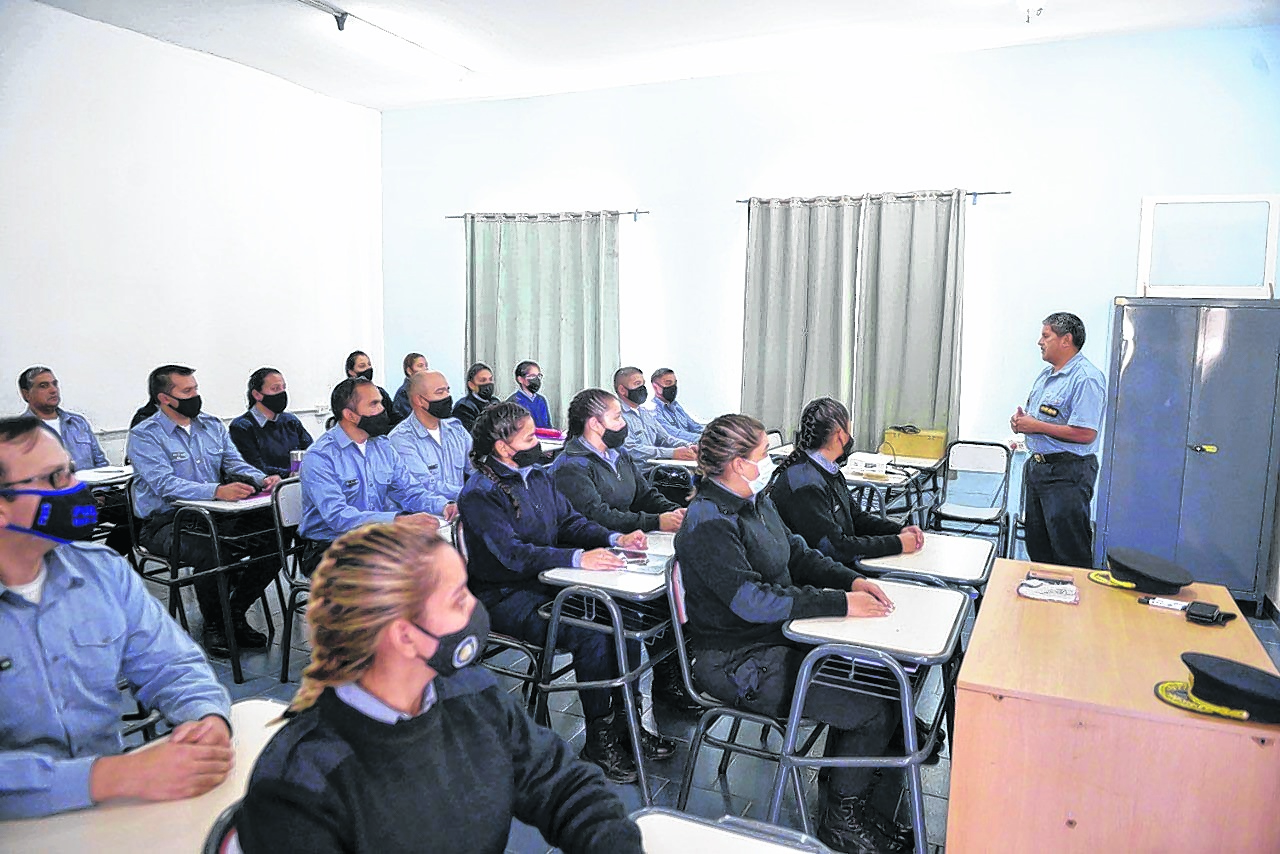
[529, 380]
[75, 618]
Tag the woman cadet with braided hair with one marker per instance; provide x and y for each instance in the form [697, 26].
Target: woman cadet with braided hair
[393, 743]
[745, 575]
[813, 499]
[516, 524]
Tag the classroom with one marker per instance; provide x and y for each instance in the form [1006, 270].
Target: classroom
[332, 189]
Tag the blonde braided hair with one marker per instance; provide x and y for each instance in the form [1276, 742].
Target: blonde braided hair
[368, 578]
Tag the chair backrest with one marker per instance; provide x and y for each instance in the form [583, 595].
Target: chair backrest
[979, 458]
[459, 542]
[133, 518]
[286, 502]
[680, 616]
[222, 836]
[774, 439]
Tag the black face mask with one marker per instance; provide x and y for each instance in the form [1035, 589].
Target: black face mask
[277, 403]
[442, 408]
[527, 457]
[485, 391]
[638, 395]
[367, 373]
[375, 425]
[188, 407]
[64, 515]
[669, 393]
[534, 385]
[615, 438]
[845, 452]
[460, 648]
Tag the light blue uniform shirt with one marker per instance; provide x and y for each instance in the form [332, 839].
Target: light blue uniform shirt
[59, 700]
[343, 488]
[646, 438]
[1075, 396]
[441, 467]
[355, 696]
[169, 463]
[79, 440]
[674, 419]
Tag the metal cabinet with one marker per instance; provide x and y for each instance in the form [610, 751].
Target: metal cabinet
[1191, 452]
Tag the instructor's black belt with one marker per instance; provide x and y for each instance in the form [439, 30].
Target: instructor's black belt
[1061, 456]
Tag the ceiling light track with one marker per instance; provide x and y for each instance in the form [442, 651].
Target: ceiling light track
[340, 16]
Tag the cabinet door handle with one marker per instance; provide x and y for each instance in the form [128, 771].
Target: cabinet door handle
[1204, 449]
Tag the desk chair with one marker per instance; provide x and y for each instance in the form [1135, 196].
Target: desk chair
[975, 459]
[674, 482]
[774, 439]
[286, 513]
[1017, 523]
[222, 836]
[163, 572]
[714, 709]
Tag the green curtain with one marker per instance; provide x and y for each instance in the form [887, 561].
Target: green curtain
[544, 287]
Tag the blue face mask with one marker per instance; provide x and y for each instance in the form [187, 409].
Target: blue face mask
[64, 516]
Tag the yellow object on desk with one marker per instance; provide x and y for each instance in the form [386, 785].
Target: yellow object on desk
[926, 443]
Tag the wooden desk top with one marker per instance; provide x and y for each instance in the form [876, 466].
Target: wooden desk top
[1107, 652]
[947, 556]
[130, 827]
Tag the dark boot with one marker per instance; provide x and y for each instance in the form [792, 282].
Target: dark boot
[652, 745]
[668, 686]
[215, 642]
[848, 823]
[604, 748]
[248, 637]
[898, 745]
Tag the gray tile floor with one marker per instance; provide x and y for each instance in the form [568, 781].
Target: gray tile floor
[744, 790]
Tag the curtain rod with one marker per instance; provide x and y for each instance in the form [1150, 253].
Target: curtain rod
[973, 195]
[635, 214]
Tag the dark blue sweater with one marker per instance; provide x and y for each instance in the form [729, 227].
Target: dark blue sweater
[619, 498]
[267, 448]
[816, 505]
[506, 549]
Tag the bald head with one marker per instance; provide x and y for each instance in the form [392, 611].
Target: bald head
[425, 388]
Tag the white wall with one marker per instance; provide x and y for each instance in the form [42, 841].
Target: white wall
[1078, 131]
[160, 205]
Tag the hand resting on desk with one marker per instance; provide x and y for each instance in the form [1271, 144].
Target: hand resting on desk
[867, 599]
[194, 759]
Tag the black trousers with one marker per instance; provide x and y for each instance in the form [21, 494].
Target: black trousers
[197, 552]
[763, 679]
[1057, 512]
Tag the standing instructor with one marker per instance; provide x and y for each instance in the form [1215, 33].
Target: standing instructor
[1061, 423]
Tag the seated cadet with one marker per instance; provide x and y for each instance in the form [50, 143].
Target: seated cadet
[184, 453]
[479, 395]
[433, 445]
[744, 576]
[74, 618]
[266, 434]
[394, 743]
[605, 486]
[646, 438]
[529, 380]
[413, 362]
[358, 365]
[813, 499]
[671, 415]
[515, 525]
[352, 476]
[39, 388]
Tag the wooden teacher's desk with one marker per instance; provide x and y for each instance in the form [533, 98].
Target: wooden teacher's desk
[1062, 745]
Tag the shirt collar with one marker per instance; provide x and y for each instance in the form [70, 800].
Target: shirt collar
[502, 469]
[57, 411]
[259, 417]
[62, 572]
[1070, 366]
[609, 455]
[355, 696]
[822, 462]
[719, 494]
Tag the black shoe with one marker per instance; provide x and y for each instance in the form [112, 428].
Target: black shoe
[652, 745]
[605, 749]
[900, 837]
[215, 643]
[248, 637]
[668, 688]
[898, 745]
[843, 829]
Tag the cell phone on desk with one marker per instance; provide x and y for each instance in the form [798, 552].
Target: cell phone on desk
[1051, 576]
[631, 557]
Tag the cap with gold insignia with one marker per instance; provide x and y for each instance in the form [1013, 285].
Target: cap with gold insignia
[1145, 573]
[1226, 688]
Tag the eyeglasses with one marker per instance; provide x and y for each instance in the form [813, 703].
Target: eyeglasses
[59, 478]
[533, 376]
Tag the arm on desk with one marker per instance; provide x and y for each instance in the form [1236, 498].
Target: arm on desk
[810, 566]
[152, 464]
[487, 514]
[568, 801]
[33, 784]
[808, 512]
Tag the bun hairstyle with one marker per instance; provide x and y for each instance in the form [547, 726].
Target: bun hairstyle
[498, 423]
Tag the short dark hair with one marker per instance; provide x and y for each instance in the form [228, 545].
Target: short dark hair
[13, 429]
[28, 376]
[524, 366]
[344, 393]
[351, 358]
[161, 380]
[1062, 322]
[257, 380]
[409, 359]
[623, 374]
[659, 374]
[475, 369]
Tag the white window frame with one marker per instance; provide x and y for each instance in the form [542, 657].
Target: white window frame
[1264, 291]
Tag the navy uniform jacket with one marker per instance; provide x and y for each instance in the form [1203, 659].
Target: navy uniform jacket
[615, 495]
[815, 503]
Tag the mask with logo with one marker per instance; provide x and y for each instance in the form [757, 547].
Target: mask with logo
[638, 395]
[442, 408]
[367, 373]
[764, 470]
[669, 393]
[375, 425]
[527, 457]
[458, 649]
[63, 516]
[615, 438]
[277, 403]
[485, 390]
[534, 385]
[188, 407]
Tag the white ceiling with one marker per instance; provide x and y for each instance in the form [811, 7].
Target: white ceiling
[476, 49]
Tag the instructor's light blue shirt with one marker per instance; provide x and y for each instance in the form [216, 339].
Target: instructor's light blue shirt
[1075, 396]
